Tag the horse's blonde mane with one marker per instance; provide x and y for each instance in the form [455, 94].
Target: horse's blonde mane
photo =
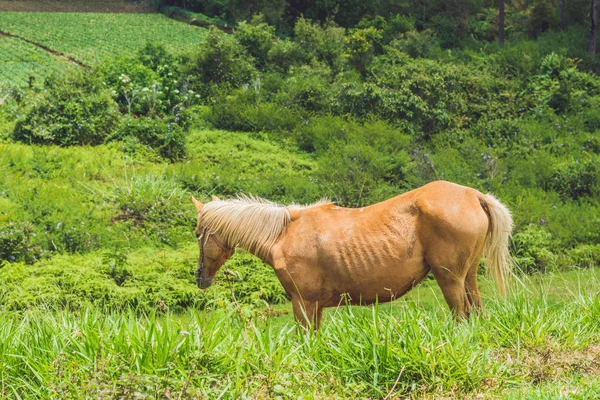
[249, 222]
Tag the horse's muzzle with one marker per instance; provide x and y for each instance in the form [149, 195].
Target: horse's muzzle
[202, 281]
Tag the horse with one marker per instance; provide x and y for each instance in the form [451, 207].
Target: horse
[324, 254]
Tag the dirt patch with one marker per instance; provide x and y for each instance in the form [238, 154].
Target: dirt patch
[551, 363]
[538, 365]
[107, 6]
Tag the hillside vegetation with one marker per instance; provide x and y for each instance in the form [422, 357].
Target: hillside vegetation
[370, 112]
[99, 163]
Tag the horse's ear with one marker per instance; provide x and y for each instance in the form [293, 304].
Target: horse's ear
[197, 203]
[215, 198]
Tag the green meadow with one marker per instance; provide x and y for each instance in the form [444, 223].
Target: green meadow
[540, 342]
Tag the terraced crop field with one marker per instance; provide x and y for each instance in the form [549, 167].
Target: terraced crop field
[19, 60]
[90, 38]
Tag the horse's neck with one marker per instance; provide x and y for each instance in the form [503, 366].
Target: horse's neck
[255, 232]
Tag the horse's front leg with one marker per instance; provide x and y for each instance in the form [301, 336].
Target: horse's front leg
[308, 313]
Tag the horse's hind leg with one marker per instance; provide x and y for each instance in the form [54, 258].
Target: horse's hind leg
[454, 293]
[450, 276]
[472, 290]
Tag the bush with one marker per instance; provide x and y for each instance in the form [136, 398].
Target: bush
[324, 44]
[164, 136]
[18, 242]
[430, 95]
[560, 86]
[418, 44]
[358, 163]
[356, 175]
[531, 250]
[448, 30]
[398, 25]
[243, 110]
[228, 163]
[308, 88]
[285, 54]
[76, 109]
[576, 179]
[542, 16]
[144, 280]
[257, 38]
[360, 45]
[220, 62]
[591, 116]
[586, 256]
[148, 84]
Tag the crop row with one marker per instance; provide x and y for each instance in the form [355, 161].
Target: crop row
[19, 60]
[91, 38]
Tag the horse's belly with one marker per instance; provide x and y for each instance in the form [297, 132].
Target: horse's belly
[380, 285]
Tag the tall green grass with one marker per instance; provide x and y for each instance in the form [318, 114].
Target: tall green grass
[542, 341]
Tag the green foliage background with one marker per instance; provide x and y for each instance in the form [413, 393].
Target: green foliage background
[98, 165]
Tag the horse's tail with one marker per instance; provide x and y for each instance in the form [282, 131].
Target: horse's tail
[497, 257]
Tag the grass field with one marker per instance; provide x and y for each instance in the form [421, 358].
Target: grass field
[543, 342]
[88, 38]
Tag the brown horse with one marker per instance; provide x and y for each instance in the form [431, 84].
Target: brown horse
[324, 254]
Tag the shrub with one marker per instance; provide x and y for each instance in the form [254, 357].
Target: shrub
[355, 174]
[244, 111]
[398, 25]
[531, 250]
[586, 256]
[542, 16]
[325, 44]
[164, 136]
[75, 109]
[575, 179]
[591, 116]
[228, 163]
[220, 61]
[308, 88]
[560, 86]
[257, 38]
[358, 163]
[253, 282]
[418, 44]
[360, 45]
[484, 25]
[448, 30]
[285, 54]
[148, 84]
[156, 56]
[18, 242]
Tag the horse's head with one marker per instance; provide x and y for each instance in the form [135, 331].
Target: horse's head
[214, 251]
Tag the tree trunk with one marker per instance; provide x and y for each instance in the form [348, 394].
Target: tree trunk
[593, 27]
[562, 14]
[501, 22]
